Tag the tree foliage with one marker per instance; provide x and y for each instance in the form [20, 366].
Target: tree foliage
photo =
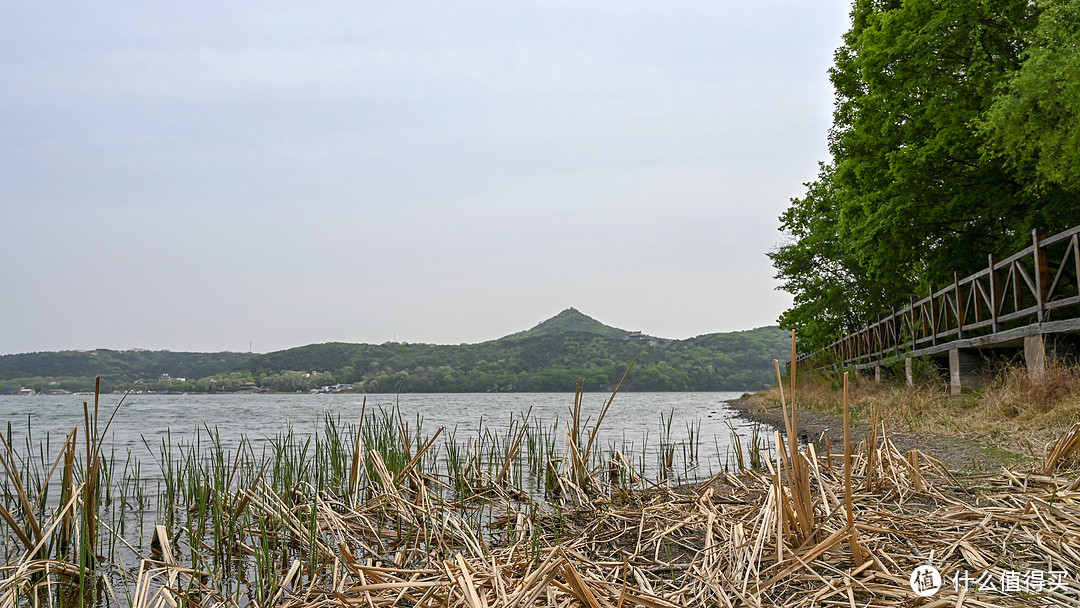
[538, 362]
[554, 358]
[1035, 123]
[911, 195]
[76, 370]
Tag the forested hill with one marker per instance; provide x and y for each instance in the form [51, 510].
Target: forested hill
[569, 321]
[75, 370]
[552, 356]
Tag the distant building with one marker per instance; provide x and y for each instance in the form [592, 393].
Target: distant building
[637, 336]
[335, 388]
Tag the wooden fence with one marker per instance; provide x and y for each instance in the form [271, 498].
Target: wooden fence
[1037, 285]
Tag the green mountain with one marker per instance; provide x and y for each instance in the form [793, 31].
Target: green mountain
[552, 356]
[567, 321]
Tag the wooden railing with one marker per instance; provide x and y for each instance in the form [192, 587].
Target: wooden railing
[1035, 285]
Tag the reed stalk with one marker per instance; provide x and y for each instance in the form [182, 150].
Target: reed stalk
[856, 551]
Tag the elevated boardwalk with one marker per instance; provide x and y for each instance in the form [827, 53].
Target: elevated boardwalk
[1029, 300]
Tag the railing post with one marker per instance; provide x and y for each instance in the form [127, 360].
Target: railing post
[995, 295]
[1042, 274]
[933, 317]
[977, 302]
[894, 333]
[868, 346]
[1076, 257]
[961, 313]
[879, 337]
[1017, 286]
[914, 328]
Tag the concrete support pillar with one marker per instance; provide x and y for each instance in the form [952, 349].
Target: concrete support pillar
[954, 371]
[963, 369]
[907, 372]
[1035, 355]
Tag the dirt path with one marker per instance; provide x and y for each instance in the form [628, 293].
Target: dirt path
[960, 455]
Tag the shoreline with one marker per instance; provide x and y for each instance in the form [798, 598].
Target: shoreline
[962, 455]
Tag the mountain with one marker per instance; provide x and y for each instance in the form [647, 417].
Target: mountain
[552, 356]
[567, 321]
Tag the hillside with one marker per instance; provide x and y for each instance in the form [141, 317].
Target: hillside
[76, 370]
[552, 356]
[570, 320]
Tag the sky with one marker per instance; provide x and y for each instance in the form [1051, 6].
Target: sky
[208, 176]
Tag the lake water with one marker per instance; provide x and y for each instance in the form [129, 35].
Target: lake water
[138, 497]
[633, 424]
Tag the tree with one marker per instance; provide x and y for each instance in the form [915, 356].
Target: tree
[1034, 124]
[910, 196]
[820, 269]
[919, 200]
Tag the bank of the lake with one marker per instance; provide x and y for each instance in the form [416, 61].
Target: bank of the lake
[1009, 420]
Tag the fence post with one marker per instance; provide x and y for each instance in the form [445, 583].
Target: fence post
[933, 317]
[995, 296]
[1076, 258]
[894, 327]
[1042, 273]
[961, 312]
[879, 337]
[866, 341]
[915, 319]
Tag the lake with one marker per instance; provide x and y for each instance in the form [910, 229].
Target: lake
[635, 424]
[243, 492]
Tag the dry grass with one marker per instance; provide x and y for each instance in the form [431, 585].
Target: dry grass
[740, 540]
[1054, 396]
[1009, 411]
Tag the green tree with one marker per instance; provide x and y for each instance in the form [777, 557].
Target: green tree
[918, 201]
[910, 196]
[1035, 122]
[821, 270]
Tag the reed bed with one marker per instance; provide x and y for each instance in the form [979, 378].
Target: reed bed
[380, 514]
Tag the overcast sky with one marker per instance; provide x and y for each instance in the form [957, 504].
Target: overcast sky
[212, 175]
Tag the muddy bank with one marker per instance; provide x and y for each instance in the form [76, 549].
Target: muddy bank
[959, 454]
